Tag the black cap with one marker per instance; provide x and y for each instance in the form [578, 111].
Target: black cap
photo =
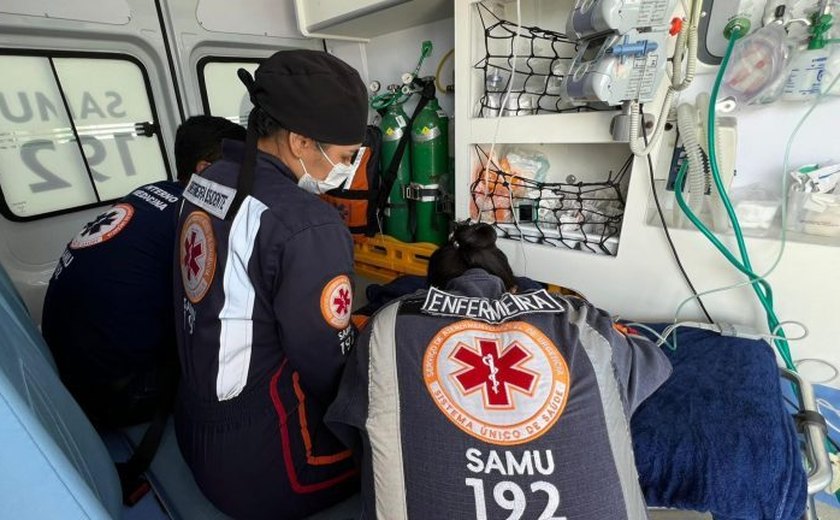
[313, 94]
[310, 93]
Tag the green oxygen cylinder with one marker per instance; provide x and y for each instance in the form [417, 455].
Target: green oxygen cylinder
[397, 213]
[430, 173]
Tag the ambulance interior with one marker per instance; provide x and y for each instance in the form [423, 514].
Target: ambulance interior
[673, 161]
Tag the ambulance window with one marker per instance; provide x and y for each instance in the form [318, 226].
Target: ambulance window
[222, 93]
[75, 132]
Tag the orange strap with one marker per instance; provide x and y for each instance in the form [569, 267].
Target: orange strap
[311, 459]
[359, 320]
[624, 330]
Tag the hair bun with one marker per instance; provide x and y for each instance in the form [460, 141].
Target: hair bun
[475, 237]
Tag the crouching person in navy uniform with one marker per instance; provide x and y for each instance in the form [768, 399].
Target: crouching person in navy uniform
[264, 296]
[471, 401]
[108, 316]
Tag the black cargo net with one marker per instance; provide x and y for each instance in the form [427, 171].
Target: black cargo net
[574, 214]
[542, 60]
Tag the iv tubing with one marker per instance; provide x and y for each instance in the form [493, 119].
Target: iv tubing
[785, 167]
[763, 292]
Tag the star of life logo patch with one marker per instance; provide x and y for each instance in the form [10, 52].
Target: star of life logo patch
[337, 302]
[197, 256]
[502, 384]
[104, 227]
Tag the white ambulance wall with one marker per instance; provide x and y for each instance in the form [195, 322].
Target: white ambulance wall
[29, 250]
[269, 18]
[213, 28]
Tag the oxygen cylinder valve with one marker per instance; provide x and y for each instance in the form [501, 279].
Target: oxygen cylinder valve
[425, 51]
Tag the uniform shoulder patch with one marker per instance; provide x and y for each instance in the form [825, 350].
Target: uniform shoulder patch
[504, 384]
[337, 302]
[210, 196]
[197, 255]
[104, 227]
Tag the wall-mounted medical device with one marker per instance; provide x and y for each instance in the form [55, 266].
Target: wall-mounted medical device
[612, 68]
[754, 14]
[593, 17]
[622, 53]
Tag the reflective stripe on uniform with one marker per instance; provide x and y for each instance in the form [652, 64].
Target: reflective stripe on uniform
[599, 352]
[383, 420]
[237, 329]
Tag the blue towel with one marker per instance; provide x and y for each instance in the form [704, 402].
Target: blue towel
[716, 436]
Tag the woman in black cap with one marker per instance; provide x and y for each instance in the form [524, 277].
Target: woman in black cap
[265, 291]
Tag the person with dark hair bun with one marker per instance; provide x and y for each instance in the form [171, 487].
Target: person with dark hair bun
[497, 403]
[471, 246]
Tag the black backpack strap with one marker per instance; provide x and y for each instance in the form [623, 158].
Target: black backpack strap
[340, 193]
[245, 181]
[374, 181]
[390, 175]
[372, 171]
[133, 483]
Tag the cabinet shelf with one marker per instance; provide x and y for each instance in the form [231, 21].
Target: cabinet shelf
[567, 201]
[569, 128]
[362, 20]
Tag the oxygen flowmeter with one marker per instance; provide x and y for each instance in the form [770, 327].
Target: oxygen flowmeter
[612, 69]
[622, 50]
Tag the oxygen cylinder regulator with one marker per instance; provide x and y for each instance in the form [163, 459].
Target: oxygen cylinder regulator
[415, 210]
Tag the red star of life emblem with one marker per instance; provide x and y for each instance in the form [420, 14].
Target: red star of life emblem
[342, 302]
[495, 373]
[194, 251]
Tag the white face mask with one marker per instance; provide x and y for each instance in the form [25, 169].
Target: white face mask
[339, 173]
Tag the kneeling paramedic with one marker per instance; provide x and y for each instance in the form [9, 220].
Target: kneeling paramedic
[264, 296]
[108, 315]
[470, 401]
